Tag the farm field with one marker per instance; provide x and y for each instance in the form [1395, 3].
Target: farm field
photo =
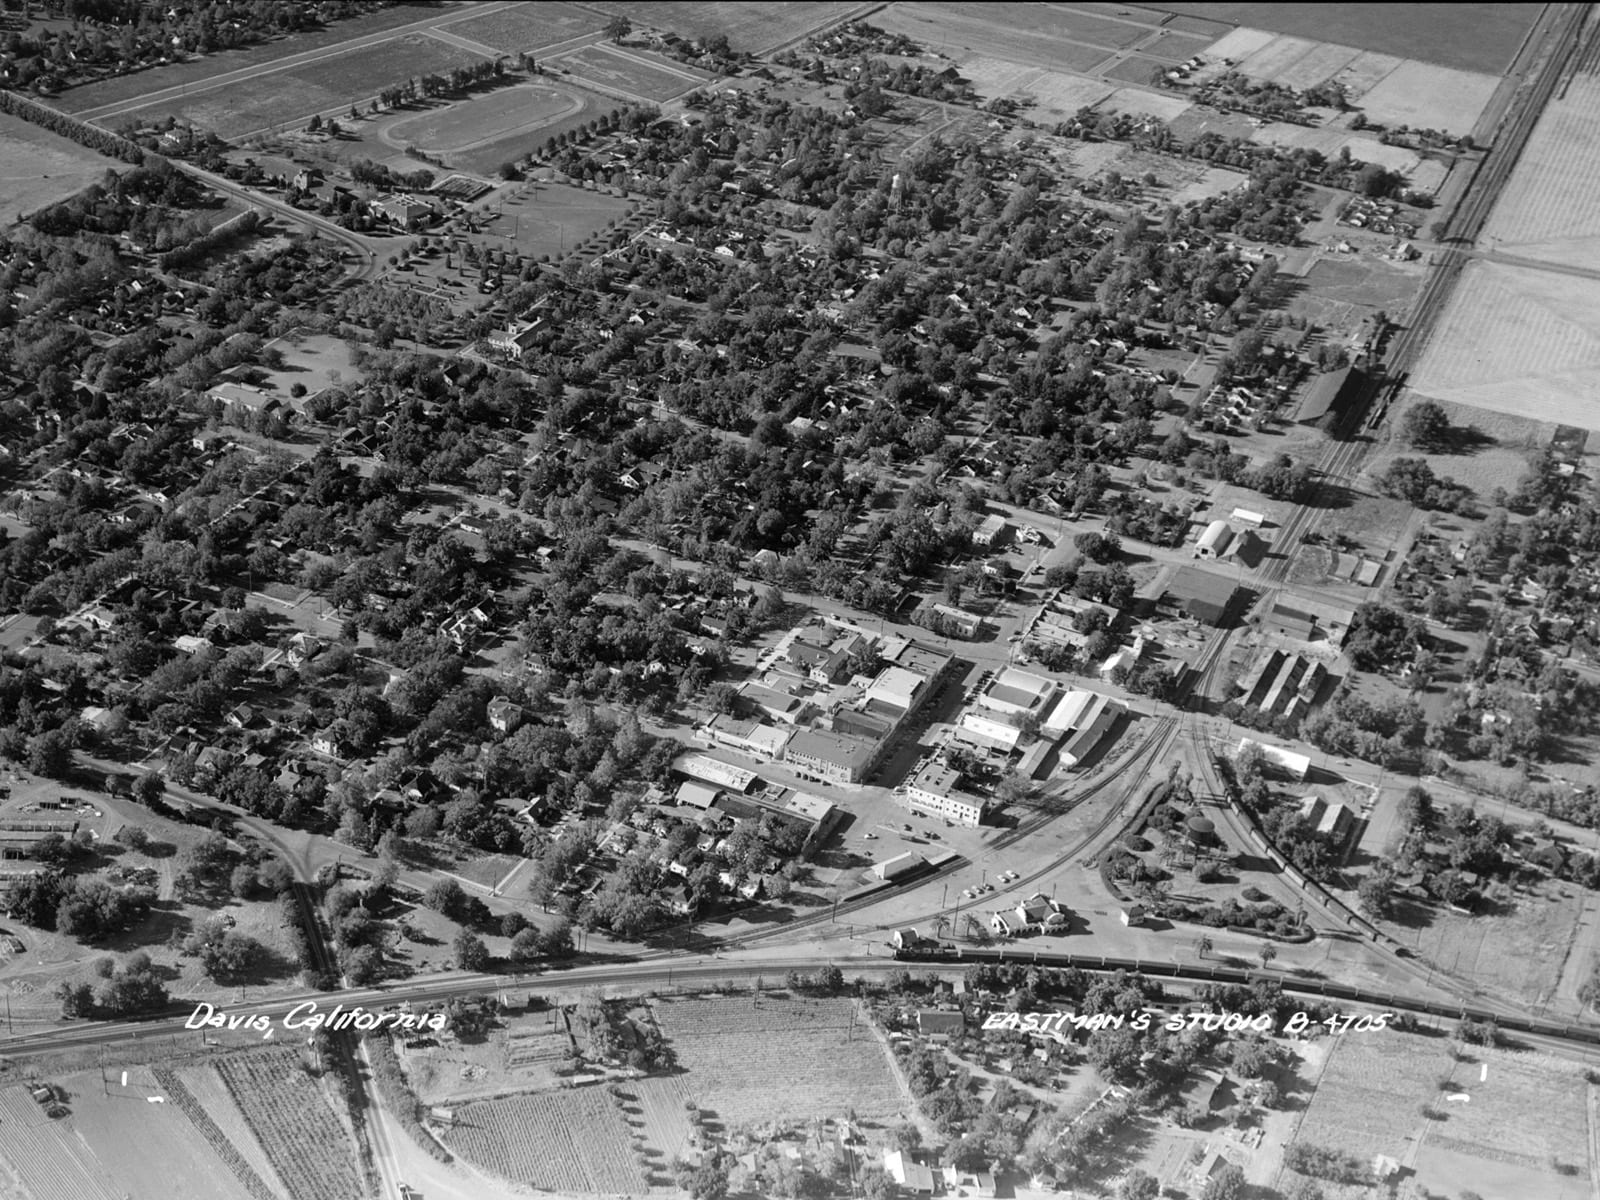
[1550, 209]
[1479, 37]
[609, 69]
[295, 1123]
[525, 26]
[111, 1146]
[566, 1141]
[1038, 35]
[1518, 341]
[285, 97]
[37, 168]
[754, 1061]
[749, 25]
[655, 1108]
[1524, 1114]
[469, 123]
[1426, 96]
[198, 70]
[525, 1056]
[206, 1086]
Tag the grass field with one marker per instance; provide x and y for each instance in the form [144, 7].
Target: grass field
[760, 1060]
[198, 70]
[1518, 341]
[38, 168]
[112, 1145]
[613, 71]
[470, 123]
[568, 1141]
[1525, 1114]
[317, 360]
[1518, 952]
[1477, 37]
[551, 218]
[751, 25]
[526, 26]
[1550, 208]
[286, 97]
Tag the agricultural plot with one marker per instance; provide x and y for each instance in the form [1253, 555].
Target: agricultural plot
[766, 1060]
[526, 27]
[1040, 36]
[297, 1128]
[1055, 94]
[205, 1085]
[1521, 1117]
[279, 98]
[1517, 341]
[655, 1107]
[113, 1144]
[37, 168]
[1134, 70]
[1138, 102]
[469, 123]
[567, 1141]
[1425, 96]
[1363, 73]
[1276, 57]
[752, 25]
[1478, 37]
[613, 71]
[1550, 209]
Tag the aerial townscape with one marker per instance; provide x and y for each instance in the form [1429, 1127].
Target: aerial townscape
[612, 599]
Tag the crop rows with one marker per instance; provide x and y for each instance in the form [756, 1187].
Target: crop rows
[33, 1146]
[220, 1142]
[571, 1141]
[299, 1131]
[205, 1085]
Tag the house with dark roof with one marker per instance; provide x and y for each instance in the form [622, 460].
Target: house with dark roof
[1203, 595]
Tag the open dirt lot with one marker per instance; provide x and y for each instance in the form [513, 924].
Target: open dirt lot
[1524, 1115]
[526, 26]
[1477, 37]
[1519, 341]
[1550, 209]
[285, 97]
[38, 168]
[762, 1059]
[1054, 94]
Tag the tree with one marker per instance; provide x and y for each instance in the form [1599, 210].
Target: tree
[1225, 1184]
[149, 788]
[1138, 1185]
[1376, 892]
[469, 951]
[445, 896]
[1267, 953]
[77, 999]
[1204, 944]
[1426, 426]
[618, 28]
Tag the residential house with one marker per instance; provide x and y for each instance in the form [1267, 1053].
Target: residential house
[504, 714]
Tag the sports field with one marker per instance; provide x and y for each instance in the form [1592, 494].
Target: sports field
[1520, 341]
[286, 97]
[551, 218]
[1468, 37]
[469, 123]
[38, 168]
[625, 72]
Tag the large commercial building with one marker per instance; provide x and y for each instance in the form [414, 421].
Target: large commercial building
[835, 757]
[935, 791]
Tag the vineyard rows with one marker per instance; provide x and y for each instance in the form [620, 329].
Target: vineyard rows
[570, 1141]
[300, 1133]
[47, 1164]
[205, 1085]
[220, 1142]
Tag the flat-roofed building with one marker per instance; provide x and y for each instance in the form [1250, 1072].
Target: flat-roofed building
[990, 730]
[935, 791]
[713, 770]
[836, 757]
[1017, 692]
[762, 701]
[756, 739]
[898, 687]
[697, 794]
[991, 531]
